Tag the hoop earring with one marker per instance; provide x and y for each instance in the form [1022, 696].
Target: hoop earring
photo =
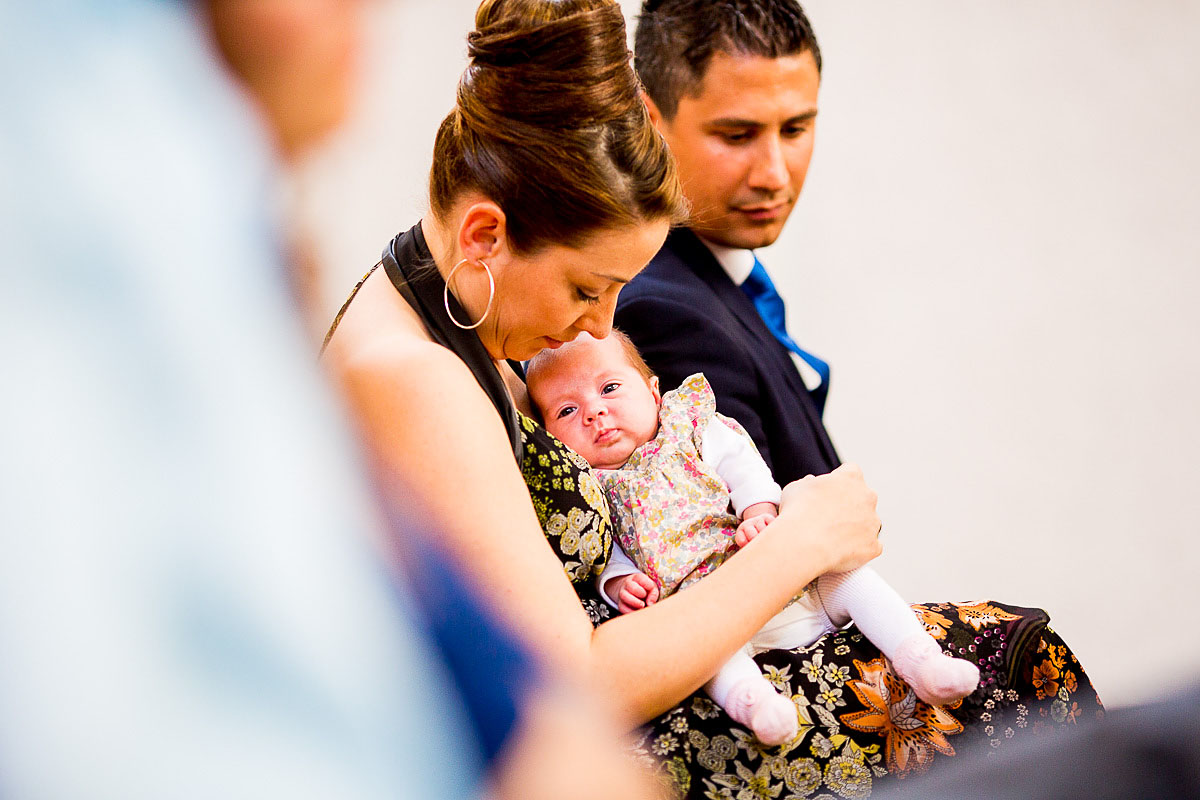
[491, 295]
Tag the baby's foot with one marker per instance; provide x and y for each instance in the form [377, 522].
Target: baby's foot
[754, 703]
[936, 678]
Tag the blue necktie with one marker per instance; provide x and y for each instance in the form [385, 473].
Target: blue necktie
[766, 299]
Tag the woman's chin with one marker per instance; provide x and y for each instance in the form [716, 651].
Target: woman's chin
[523, 353]
[538, 345]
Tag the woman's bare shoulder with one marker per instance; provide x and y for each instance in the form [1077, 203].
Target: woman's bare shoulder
[390, 369]
[380, 333]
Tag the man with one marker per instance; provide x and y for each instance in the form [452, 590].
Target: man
[732, 85]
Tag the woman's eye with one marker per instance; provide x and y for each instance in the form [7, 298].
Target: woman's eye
[587, 298]
[564, 412]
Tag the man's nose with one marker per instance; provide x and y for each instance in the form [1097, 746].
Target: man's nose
[770, 170]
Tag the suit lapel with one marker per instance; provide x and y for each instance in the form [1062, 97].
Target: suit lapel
[693, 252]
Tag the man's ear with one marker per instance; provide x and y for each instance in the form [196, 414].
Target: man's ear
[483, 232]
[656, 116]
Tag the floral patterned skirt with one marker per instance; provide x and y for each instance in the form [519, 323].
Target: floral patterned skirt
[860, 725]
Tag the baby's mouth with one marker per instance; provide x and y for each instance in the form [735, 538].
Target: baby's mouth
[604, 436]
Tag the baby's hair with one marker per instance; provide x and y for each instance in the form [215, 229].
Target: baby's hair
[632, 355]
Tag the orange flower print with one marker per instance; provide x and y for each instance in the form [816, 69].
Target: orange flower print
[1058, 655]
[914, 731]
[981, 615]
[1045, 679]
[1070, 681]
[1075, 713]
[934, 623]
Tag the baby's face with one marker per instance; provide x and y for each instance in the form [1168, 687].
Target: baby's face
[595, 401]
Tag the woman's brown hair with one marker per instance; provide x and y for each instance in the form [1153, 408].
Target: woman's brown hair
[550, 125]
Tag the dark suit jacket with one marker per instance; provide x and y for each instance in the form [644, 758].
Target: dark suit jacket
[686, 315]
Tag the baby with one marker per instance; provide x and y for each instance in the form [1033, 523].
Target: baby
[687, 488]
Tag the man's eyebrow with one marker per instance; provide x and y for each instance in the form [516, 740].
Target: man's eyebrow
[807, 116]
[734, 122]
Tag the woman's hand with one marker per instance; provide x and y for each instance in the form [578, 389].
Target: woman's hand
[825, 524]
[835, 518]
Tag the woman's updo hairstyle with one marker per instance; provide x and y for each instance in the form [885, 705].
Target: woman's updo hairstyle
[550, 125]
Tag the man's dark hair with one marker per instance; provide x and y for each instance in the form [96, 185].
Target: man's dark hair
[676, 40]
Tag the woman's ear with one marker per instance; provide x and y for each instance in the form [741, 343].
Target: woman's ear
[482, 234]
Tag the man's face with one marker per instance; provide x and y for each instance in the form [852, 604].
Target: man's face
[743, 143]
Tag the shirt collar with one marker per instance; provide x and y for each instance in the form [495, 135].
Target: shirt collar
[736, 261]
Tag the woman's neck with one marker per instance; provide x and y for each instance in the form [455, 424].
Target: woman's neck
[439, 238]
[516, 388]
[438, 241]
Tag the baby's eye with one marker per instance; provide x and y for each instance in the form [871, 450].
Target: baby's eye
[611, 386]
[565, 411]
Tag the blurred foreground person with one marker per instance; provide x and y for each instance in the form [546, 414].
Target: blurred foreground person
[192, 602]
[195, 599]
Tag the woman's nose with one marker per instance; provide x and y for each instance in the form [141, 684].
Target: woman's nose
[598, 325]
[598, 321]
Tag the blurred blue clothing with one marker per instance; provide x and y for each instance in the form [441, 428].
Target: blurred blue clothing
[193, 598]
[492, 672]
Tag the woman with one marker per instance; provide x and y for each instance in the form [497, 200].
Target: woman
[549, 191]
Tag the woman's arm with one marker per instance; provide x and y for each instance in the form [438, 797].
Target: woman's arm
[445, 453]
[826, 524]
[442, 445]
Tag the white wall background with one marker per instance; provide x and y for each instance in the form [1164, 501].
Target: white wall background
[997, 249]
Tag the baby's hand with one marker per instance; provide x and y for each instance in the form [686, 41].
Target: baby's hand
[633, 591]
[754, 524]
